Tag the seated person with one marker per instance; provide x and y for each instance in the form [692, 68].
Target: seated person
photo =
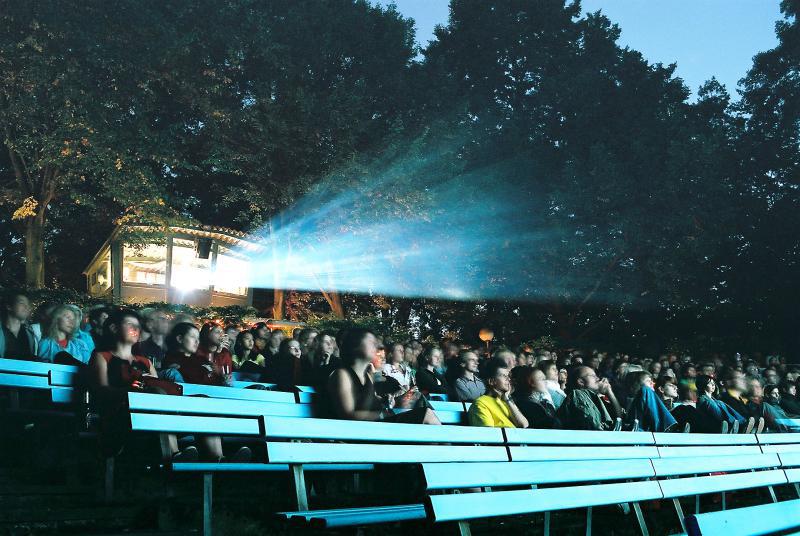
[772, 418]
[323, 359]
[789, 401]
[711, 413]
[214, 348]
[245, 356]
[467, 386]
[685, 409]
[496, 408]
[428, 379]
[17, 339]
[183, 363]
[155, 347]
[62, 334]
[552, 379]
[350, 392]
[772, 397]
[645, 406]
[533, 398]
[395, 366]
[667, 391]
[584, 409]
[285, 368]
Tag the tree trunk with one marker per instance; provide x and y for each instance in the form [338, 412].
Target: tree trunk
[34, 249]
[334, 299]
[278, 304]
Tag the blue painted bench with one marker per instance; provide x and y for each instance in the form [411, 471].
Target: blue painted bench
[761, 519]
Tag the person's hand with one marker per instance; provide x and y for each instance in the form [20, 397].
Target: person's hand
[390, 400]
[604, 387]
[136, 384]
[225, 342]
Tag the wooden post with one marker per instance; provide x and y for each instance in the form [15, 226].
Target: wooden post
[208, 499]
[299, 480]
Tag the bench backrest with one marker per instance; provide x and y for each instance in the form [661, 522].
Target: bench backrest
[195, 405]
[215, 391]
[529, 436]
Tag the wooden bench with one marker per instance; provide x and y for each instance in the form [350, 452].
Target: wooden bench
[761, 519]
[537, 445]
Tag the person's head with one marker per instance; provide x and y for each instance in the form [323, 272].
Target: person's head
[431, 356]
[666, 388]
[260, 331]
[395, 352]
[244, 342]
[325, 344]
[123, 326]
[686, 393]
[771, 376]
[528, 380]
[496, 376]
[184, 338]
[290, 349]
[359, 345]
[637, 380]
[232, 331]
[582, 377]
[788, 388]
[708, 369]
[450, 349]
[63, 323]
[705, 385]
[688, 370]
[211, 335]
[735, 381]
[157, 322]
[296, 333]
[655, 369]
[755, 391]
[506, 356]
[549, 369]
[468, 360]
[275, 338]
[16, 305]
[306, 338]
[772, 393]
[97, 318]
[593, 361]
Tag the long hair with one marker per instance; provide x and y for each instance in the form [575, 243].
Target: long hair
[180, 330]
[52, 325]
[238, 346]
[115, 318]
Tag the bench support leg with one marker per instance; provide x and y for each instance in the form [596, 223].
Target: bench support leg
[589, 521]
[697, 504]
[723, 500]
[108, 481]
[547, 524]
[13, 399]
[640, 519]
[772, 494]
[679, 510]
[797, 489]
[463, 528]
[299, 479]
[208, 501]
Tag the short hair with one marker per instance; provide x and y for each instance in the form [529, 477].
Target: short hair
[702, 383]
[493, 367]
[9, 299]
[463, 353]
[95, 312]
[425, 358]
[545, 364]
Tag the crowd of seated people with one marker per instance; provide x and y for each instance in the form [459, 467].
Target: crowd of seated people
[360, 375]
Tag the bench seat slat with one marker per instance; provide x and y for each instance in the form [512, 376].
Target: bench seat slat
[793, 475]
[281, 427]
[761, 519]
[671, 439]
[213, 406]
[681, 487]
[36, 368]
[503, 503]
[723, 450]
[468, 475]
[61, 395]
[774, 439]
[308, 514]
[711, 464]
[377, 453]
[530, 436]
[524, 454]
[61, 378]
[150, 422]
[25, 381]
[371, 516]
[215, 391]
[789, 459]
[195, 467]
[781, 448]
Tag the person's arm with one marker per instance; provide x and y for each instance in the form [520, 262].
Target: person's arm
[517, 417]
[479, 415]
[99, 369]
[460, 391]
[340, 387]
[605, 389]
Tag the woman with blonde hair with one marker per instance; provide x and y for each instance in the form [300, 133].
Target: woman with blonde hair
[61, 336]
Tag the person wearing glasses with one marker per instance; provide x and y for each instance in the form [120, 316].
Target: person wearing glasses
[590, 403]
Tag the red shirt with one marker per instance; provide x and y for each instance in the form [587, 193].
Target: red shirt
[194, 368]
[222, 360]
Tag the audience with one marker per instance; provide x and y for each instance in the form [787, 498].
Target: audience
[533, 398]
[429, 380]
[156, 323]
[245, 355]
[584, 409]
[60, 340]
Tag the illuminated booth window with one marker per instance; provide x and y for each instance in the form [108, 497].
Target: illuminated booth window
[232, 270]
[189, 271]
[144, 264]
[100, 279]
